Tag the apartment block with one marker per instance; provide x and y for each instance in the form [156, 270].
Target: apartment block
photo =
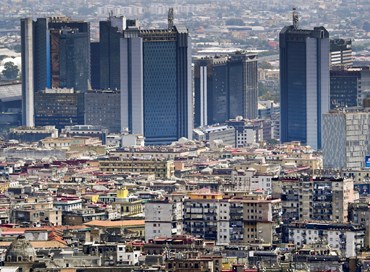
[163, 219]
[347, 238]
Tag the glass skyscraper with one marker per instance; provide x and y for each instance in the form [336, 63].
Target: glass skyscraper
[55, 53]
[304, 83]
[156, 91]
[225, 87]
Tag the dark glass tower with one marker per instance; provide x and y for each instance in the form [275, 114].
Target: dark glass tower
[156, 91]
[304, 83]
[110, 34]
[55, 53]
[225, 87]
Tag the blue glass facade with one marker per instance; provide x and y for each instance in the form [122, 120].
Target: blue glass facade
[160, 103]
[295, 99]
[231, 87]
[156, 95]
[304, 84]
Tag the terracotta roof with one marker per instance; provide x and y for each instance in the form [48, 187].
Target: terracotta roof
[123, 223]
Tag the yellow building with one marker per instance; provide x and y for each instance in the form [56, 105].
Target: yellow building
[204, 194]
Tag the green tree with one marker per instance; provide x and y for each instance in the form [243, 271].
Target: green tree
[10, 70]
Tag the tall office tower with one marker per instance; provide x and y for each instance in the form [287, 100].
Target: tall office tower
[95, 65]
[341, 52]
[348, 86]
[225, 87]
[55, 53]
[243, 89]
[156, 87]
[211, 99]
[304, 83]
[110, 35]
[27, 73]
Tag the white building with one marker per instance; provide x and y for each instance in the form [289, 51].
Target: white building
[126, 256]
[162, 218]
[346, 238]
[249, 181]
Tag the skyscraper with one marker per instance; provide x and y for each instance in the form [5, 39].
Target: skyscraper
[156, 91]
[110, 35]
[225, 87]
[55, 53]
[304, 82]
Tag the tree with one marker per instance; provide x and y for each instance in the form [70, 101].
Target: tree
[10, 70]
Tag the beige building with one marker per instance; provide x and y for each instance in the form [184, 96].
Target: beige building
[162, 169]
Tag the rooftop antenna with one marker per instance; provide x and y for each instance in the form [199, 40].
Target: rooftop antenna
[295, 19]
[170, 18]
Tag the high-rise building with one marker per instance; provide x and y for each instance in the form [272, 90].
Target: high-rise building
[95, 65]
[341, 52]
[55, 54]
[109, 54]
[304, 82]
[156, 89]
[225, 87]
[346, 138]
[27, 73]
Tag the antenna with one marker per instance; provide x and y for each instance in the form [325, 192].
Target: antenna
[295, 19]
[170, 18]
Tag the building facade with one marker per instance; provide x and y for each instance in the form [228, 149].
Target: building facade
[346, 138]
[163, 219]
[348, 86]
[102, 108]
[55, 54]
[341, 52]
[156, 96]
[304, 83]
[225, 87]
[59, 108]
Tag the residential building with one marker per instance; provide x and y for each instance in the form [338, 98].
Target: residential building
[156, 89]
[304, 83]
[204, 213]
[250, 181]
[162, 169]
[321, 198]
[225, 87]
[163, 219]
[347, 238]
[238, 218]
